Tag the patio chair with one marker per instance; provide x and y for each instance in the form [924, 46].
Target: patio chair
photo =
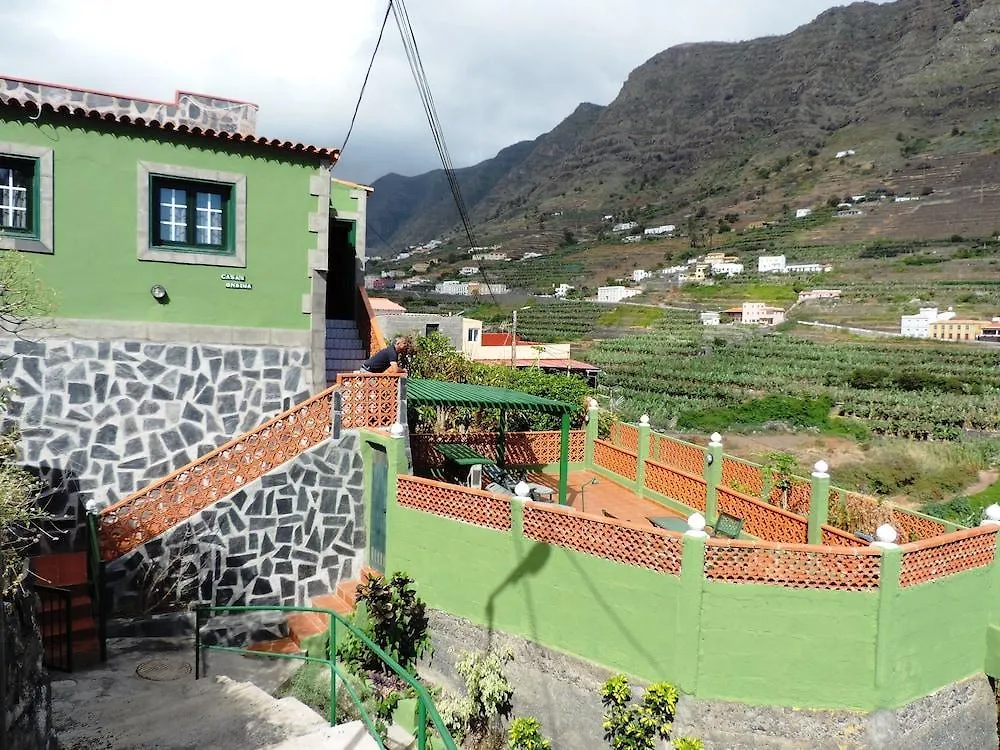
[728, 526]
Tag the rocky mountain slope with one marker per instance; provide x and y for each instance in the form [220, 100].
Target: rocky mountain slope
[725, 123]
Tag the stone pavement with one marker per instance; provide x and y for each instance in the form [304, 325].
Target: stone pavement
[112, 707]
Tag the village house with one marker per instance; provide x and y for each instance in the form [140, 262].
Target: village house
[816, 294]
[615, 293]
[918, 326]
[956, 329]
[659, 231]
[755, 313]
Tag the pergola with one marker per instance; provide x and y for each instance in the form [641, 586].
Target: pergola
[445, 393]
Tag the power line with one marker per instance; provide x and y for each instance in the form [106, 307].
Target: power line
[364, 84]
[412, 51]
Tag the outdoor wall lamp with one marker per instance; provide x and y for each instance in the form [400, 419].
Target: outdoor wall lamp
[709, 459]
[159, 293]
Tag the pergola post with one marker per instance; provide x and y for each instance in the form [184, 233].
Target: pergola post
[564, 460]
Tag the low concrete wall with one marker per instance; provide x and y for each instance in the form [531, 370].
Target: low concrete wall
[962, 715]
[27, 700]
[561, 691]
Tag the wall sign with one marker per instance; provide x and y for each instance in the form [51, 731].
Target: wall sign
[235, 281]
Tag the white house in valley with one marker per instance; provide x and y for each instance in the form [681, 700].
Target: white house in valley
[919, 326]
[615, 293]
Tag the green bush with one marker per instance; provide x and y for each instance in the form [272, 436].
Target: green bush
[525, 733]
[629, 726]
[392, 615]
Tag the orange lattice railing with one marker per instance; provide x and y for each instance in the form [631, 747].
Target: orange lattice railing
[835, 537]
[686, 488]
[146, 514]
[369, 400]
[865, 513]
[521, 448]
[798, 566]
[615, 540]
[743, 476]
[677, 454]
[625, 436]
[367, 324]
[615, 460]
[942, 556]
[762, 520]
[453, 501]
[797, 499]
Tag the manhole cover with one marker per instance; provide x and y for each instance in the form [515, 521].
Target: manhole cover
[163, 671]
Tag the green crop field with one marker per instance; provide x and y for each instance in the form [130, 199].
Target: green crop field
[680, 371]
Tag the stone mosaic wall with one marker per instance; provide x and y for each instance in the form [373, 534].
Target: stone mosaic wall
[27, 701]
[193, 110]
[100, 419]
[290, 535]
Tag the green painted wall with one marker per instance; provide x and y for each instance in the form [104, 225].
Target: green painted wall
[938, 633]
[788, 647]
[341, 199]
[753, 643]
[95, 271]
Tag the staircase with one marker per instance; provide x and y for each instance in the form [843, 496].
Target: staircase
[65, 602]
[307, 628]
[344, 350]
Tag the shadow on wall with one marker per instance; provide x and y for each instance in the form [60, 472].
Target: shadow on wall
[532, 564]
[65, 530]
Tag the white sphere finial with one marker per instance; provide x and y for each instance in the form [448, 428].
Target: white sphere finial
[593, 403]
[821, 468]
[397, 430]
[644, 420]
[716, 438]
[522, 489]
[885, 537]
[991, 516]
[696, 526]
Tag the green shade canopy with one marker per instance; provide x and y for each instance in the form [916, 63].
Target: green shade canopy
[444, 393]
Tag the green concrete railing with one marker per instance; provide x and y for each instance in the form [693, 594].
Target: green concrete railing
[425, 706]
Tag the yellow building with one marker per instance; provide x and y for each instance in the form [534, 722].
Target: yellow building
[957, 329]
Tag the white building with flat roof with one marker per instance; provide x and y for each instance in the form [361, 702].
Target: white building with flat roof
[771, 264]
[615, 293]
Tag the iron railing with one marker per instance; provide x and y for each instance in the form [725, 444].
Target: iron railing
[95, 571]
[425, 706]
[55, 613]
[4, 669]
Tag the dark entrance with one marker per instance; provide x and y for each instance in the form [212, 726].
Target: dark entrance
[340, 284]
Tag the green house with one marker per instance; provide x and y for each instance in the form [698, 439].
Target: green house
[175, 222]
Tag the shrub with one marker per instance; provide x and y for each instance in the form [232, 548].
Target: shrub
[526, 734]
[629, 726]
[395, 618]
[478, 716]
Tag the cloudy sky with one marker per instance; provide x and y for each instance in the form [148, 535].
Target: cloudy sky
[500, 70]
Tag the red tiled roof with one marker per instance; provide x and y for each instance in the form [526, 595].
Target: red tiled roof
[249, 140]
[562, 364]
[501, 339]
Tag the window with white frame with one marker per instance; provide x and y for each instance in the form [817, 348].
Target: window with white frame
[191, 215]
[473, 335]
[18, 196]
[25, 198]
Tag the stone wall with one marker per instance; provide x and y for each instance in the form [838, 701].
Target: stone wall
[27, 701]
[101, 419]
[192, 110]
[292, 534]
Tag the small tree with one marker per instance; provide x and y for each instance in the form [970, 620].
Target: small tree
[24, 300]
[781, 466]
[526, 734]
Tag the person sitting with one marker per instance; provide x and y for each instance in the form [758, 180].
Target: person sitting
[387, 360]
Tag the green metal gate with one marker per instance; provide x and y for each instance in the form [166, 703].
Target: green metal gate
[377, 508]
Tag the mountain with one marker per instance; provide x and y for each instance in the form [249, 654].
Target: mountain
[725, 123]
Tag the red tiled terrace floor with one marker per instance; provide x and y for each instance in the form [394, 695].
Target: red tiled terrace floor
[617, 500]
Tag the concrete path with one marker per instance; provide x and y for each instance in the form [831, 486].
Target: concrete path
[111, 707]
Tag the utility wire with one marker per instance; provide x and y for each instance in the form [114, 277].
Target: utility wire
[364, 84]
[412, 51]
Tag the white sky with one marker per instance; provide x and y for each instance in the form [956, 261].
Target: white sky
[500, 70]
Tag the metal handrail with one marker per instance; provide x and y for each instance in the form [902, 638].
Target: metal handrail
[96, 565]
[425, 704]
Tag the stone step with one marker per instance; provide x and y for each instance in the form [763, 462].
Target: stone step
[333, 325]
[351, 736]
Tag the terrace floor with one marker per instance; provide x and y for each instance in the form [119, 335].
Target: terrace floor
[616, 499]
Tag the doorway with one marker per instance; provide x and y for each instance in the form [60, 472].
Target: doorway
[377, 507]
[341, 278]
